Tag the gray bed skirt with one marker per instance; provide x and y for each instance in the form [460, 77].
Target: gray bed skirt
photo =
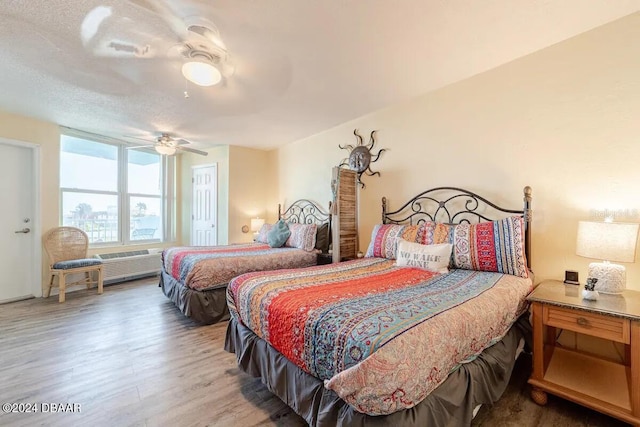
[206, 307]
[451, 404]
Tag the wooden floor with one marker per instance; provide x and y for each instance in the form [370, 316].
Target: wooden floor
[130, 358]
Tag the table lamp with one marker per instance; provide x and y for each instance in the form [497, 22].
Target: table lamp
[256, 225]
[607, 241]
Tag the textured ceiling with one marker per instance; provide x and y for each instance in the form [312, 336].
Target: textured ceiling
[301, 66]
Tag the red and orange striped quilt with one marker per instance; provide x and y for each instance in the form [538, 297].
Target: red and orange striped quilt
[381, 336]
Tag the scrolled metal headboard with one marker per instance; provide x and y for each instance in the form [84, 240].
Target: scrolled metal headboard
[305, 211]
[453, 205]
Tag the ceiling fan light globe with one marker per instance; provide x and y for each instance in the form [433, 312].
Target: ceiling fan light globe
[201, 73]
[166, 150]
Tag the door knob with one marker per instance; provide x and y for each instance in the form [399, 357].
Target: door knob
[24, 230]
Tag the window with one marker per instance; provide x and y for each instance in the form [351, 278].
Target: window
[144, 193]
[117, 196]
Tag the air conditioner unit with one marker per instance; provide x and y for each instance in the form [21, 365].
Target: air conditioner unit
[122, 266]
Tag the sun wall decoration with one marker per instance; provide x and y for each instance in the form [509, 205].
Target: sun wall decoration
[360, 157]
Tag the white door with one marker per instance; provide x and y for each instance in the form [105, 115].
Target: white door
[204, 205]
[18, 263]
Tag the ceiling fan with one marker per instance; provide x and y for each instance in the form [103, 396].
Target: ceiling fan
[167, 145]
[194, 40]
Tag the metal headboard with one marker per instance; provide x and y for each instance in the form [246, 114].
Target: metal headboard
[305, 211]
[453, 205]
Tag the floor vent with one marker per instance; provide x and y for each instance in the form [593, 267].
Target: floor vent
[122, 266]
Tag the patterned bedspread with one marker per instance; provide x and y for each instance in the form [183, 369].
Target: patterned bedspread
[207, 267]
[382, 337]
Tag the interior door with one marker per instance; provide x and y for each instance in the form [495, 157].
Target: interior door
[204, 231]
[17, 260]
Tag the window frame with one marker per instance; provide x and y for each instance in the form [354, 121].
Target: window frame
[167, 192]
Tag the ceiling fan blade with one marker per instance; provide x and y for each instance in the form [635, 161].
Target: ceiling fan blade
[134, 147]
[192, 150]
[149, 141]
[165, 12]
[206, 29]
[182, 141]
[110, 32]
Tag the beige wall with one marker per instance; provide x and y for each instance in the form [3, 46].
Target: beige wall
[219, 156]
[249, 184]
[304, 167]
[272, 194]
[563, 120]
[243, 187]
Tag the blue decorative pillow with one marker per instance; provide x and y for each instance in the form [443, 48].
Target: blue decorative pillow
[278, 235]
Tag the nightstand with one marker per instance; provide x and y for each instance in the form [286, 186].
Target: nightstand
[605, 385]
[323, 259]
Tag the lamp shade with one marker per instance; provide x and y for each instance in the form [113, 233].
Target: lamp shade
[201, 73]
[256, 224]
[607, 241]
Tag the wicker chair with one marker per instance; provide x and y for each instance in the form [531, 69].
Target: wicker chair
[67, 251]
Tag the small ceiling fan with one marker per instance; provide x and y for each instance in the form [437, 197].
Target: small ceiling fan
[167, 145]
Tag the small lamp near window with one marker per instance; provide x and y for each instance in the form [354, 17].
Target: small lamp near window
[608, 241]
[256, 225]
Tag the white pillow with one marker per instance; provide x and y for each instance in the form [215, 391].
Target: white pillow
[427, 257]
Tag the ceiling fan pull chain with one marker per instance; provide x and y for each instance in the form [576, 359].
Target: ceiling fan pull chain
[186, 91]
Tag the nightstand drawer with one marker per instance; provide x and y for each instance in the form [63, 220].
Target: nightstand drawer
[607, 327]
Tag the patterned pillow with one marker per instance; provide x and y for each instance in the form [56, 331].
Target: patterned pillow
[262, 234]
[496, 246]
[491, 246]
[384, 239]
[303, 236]
[278, 235]
[433, 233]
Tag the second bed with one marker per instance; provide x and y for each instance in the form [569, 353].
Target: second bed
[195, 277]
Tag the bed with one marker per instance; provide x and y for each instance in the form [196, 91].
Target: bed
[194, 278]
[331, 341]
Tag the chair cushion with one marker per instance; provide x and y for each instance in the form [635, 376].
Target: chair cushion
[76, 263]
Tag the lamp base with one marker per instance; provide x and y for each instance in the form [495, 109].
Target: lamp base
[612, 278]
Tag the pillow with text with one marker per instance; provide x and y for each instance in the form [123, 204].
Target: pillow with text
[426, 257]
